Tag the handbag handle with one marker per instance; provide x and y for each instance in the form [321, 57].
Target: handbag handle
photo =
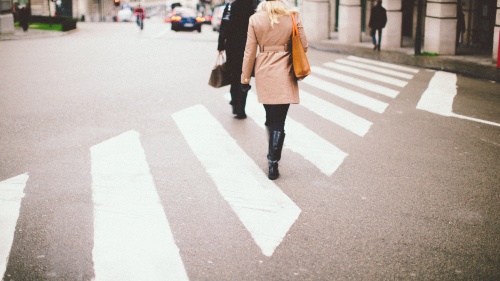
[220, 59]
[295, 29]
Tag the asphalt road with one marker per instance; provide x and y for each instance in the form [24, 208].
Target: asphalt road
[117, 159]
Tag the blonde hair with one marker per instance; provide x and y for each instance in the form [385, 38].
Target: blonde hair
[275, 9]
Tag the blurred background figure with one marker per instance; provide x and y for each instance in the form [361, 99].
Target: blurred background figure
[232, 39]
[378, 20]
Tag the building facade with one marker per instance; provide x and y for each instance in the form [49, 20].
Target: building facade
[348, 19]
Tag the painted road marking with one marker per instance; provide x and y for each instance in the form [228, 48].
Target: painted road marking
[132, 236]
[265, 211]
[438, 97]
[11, 194]
[384, 64]
[367, 74]
[335, 114]
[373, 68]
[346, 94]
[318, 151]
[382, 90]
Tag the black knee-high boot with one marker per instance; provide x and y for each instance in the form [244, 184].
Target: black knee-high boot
[276, 139]
[239, 107]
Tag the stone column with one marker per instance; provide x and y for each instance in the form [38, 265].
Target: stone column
[441, 27]
[7, 19]
[496, 33]
[350, 21]
[391, 34]
[314, 16]
[6, 24]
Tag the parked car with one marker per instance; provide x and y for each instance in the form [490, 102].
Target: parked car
[217, 17]
[186, 19]
[124, 15]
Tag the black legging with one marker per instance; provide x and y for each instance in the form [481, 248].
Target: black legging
[276, 115]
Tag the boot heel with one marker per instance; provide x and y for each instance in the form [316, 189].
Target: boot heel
[274, 173]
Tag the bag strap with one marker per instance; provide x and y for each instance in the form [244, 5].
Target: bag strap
[295, 29]
[220, 59]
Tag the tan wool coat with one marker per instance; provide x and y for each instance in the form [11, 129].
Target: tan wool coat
[269, 49]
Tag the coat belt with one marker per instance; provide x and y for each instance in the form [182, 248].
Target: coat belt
[275, 48]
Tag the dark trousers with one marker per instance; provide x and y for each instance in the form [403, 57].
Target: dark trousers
[374, 37]
[276, 115]
[235, 63]
[238, 98]
[235, 91]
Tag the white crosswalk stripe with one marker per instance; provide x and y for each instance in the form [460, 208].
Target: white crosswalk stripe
[384, 64]
[335, 114]
[261, 206]
[367, 74]
[357, 68]
[379, 89]
[11, 194]
[346, 94]
[132, 236]
[438, 97]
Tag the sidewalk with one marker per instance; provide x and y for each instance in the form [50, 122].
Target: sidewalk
[30, 34]
[474, 65]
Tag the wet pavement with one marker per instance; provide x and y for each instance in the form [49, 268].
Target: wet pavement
[473, 65]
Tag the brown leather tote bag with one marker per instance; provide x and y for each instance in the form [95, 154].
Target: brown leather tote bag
[301, 66]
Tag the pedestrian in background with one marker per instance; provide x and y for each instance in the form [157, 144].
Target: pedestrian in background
[15, 11]
[140, 14]
[460, 24]
[232, 39]
[378, 20]
[270, 30]
[25, 16]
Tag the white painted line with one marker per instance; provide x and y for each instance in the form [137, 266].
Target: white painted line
[438, 97]
[367, 74]
[384, 64]
[11, 194]
[262, 207]
[382, 90]
[346, 94]
[376, 69]
[335, 114]
[321, 153]
[132, 236]
[324, 155]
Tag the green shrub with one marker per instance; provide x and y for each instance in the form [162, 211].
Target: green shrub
[65, 23]
[428, 54]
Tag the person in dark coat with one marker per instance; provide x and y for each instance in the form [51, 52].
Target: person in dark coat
[232, 39]
[25, 16]
[460, 24]
[15, 11]
[378, 20]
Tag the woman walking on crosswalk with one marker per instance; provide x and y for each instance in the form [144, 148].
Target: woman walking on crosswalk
[270, 29]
